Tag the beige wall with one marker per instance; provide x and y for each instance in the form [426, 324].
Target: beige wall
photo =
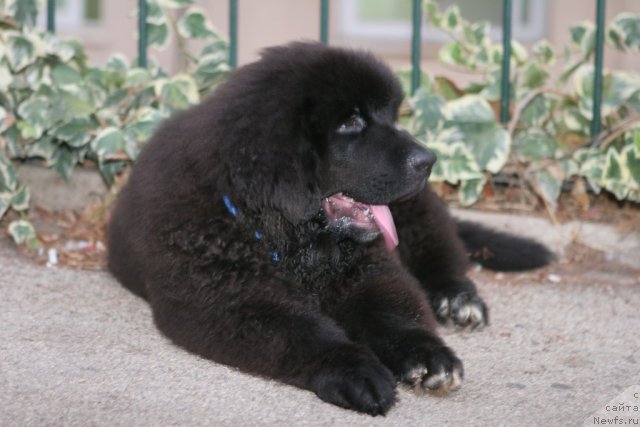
[269, 22]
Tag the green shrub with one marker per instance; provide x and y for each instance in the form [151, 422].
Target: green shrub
[548, 139]
[56, 107]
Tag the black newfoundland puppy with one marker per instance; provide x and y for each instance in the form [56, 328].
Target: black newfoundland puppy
[260, 227]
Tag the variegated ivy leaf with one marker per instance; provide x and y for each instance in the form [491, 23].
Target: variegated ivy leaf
[427, 112]
[211, 69]
[22, 232]
[573, 120]
[452, 19]
[474, 118]
[5, 76]
[195, 25]
[630, 157]
[76, 132]
[471, 190]
[455, 163]
[64, 75]
[5, 202]
[38, 76]
[177, 93]
[432, 12]
[468, 109]
[64, 159]
[621, 172]
[137, 77]
[158, 35]
[23, 50]
[535, 144]
[118, 62]
[20, 199]
[534, 76]
[25, 12]
[404, 75]
[617, 188]
[476, 33]
[633, 137]
[108, 142]
[547, 183]
[583, 36]
[175, 4]
[615, 176]
[3, 119]
[569, 167]
[37, 114]
[591, 163]
[534, 114]
[543, 52]
[45, 148]
[628, 26]
[614, 168]
[615, 37]
[75, 101]
[8, 177]
[109, 169]
[158, 29]
[63, 49]
[155, 13]
[634, 196]
[617, 88]
[452, 53]
[519, 52]
[493, 88]
[140, 130]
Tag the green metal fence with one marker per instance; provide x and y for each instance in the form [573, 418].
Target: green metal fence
[417, 19]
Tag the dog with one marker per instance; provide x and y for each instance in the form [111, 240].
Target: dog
[284, 227]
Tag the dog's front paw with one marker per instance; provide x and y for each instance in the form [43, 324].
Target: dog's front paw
[355, 379]
[432, 368]
[464, 310]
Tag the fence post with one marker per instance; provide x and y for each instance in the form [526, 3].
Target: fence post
[142, 33]
[51, 16]
[505, 90]
[233, 33]
[415, 44]
[597, 69]
[324, 21]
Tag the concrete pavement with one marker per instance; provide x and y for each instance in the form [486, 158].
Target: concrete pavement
[76, 349]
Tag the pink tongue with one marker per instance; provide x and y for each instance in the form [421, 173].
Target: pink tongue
[384, 221]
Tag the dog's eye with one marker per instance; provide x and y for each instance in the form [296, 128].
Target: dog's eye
[354, 124]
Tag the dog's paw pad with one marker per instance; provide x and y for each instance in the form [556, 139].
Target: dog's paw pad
[464, 310]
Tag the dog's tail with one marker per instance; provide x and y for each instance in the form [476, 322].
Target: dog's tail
[501, 251]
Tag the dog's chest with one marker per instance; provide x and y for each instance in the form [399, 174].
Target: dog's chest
[323, 260]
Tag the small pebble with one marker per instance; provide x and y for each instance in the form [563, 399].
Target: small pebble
[52, 257]
[554, 278]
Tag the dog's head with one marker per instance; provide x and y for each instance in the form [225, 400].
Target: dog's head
[342, 152]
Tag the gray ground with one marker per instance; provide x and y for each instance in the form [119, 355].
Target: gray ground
[76, 349]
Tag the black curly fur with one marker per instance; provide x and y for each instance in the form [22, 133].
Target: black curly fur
[337, 314]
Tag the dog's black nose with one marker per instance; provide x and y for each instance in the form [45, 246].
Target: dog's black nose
[422, 160]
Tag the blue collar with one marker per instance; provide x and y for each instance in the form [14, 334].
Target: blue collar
[275, 256]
